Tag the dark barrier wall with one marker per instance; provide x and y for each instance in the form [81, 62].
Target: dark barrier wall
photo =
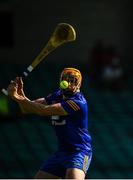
[34, 22]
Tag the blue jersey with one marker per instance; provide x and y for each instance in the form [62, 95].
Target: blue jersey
[72, 129]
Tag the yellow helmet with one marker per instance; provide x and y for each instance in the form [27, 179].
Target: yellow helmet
[72, 74]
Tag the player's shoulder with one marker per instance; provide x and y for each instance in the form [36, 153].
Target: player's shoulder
[55, 93]
[75, 103]
[79, 99]
[53, 97]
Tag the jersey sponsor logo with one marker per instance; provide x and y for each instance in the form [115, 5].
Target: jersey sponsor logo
[56, 121]
[60, 123]
[55, 117]
[73, 105]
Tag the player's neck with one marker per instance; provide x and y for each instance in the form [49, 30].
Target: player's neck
[66, 96]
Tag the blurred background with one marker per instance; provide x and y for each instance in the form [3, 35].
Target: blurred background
[103, 52]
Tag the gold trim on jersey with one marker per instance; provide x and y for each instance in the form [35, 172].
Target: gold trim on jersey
[86, 158]
[73, 105]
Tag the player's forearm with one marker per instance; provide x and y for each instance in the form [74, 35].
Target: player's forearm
[41, 109]
[28, 106]
[23, 109]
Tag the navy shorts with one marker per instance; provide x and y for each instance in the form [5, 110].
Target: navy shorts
[61, 161]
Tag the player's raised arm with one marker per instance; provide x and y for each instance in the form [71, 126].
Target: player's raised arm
[25, 110]
[43, 110]
[16, 92]
[40, 100]
[34, 107]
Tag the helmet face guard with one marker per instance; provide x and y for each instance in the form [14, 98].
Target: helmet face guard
[74, 79]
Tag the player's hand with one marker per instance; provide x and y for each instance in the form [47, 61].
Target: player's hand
[19, 83]
[12, 88]
[12, 91]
